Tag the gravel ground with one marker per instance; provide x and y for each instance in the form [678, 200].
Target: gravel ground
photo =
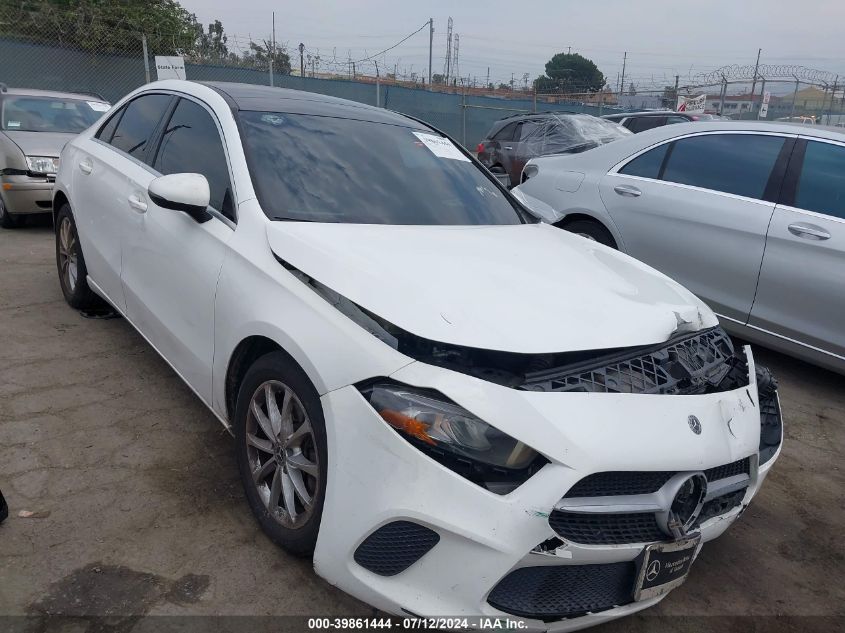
[138, 509]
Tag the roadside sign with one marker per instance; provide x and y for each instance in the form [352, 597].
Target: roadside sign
[764, 107]
[170, 67]
[692, 105]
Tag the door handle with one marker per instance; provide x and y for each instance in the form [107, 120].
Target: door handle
[628, 190]
[137, 203]
[808, 231]
[86, 167]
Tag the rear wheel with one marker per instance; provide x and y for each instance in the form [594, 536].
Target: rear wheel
[592, 230]
[282, 451]
[73, 274]
[7, 220]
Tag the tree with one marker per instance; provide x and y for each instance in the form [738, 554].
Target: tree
[209, 46]
[570, 72]
[259, 57]
[102, 26]
[437, 78]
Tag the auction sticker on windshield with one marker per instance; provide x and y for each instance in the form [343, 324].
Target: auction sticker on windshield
[442, 147]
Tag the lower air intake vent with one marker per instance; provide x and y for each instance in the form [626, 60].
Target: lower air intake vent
[564, 591]
[394, 547]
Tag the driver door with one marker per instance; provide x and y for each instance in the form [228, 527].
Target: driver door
[171, 262]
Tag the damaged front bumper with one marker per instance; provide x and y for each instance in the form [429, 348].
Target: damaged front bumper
[409, 536]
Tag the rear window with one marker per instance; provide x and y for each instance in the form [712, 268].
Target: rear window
[50, 114]
[326, 169]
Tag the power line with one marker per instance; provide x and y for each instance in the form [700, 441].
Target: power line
[390, 48]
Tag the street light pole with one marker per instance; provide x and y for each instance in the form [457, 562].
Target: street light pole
[301, 60]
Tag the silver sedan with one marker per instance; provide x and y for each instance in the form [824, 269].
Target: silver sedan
[749, 216]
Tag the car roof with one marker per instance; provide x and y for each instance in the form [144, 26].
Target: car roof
[256, 98]
[34, 92]
[648, 113]
[680, 129]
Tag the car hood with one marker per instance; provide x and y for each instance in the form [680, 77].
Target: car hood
[527, 288]
[39, 143]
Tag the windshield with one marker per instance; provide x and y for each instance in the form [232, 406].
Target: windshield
[326, 169]
[50, 114]
[572, 133]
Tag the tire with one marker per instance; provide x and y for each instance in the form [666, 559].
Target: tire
[279, 465]
[70, 263]
[7, 220]
[592, 230]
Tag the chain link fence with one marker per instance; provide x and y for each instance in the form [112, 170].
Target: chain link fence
[111, 63]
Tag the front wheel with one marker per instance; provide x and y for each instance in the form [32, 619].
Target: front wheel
[7, 220]
[592, 231]
[73, 274]
[282, 451]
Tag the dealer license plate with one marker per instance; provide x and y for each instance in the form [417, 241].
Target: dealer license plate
[664, 566]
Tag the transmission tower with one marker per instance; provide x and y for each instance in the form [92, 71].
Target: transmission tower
[456, 68]
[448, 65]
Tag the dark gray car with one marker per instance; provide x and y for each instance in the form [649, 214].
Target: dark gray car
[34, 127]
[513, 141]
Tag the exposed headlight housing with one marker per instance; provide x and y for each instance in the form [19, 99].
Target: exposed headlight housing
[42, 164]
[454, 437]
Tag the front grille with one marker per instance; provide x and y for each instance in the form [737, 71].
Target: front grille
[691, 365]
[618, 528]
[564, 591]
[616, 483]
[394, 547]
[720, 505]
[739, 467]
[606, 529]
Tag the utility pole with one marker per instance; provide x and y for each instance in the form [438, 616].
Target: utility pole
[302, 60]
[487, 84]
[675, 105]
[272, 48]
[146, 58]
[754, 81]
[353, 72]
[624, 64]
[448, 50]
[314, 66]
[455, 66]
[378, 97]
[430, 47]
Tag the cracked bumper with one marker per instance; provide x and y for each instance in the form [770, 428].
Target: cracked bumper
[376, 477]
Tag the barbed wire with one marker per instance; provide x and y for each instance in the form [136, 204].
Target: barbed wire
[750, 72]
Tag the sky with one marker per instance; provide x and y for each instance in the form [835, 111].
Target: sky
[662, 39]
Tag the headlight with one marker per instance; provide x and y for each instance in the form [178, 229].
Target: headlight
[455, 437]
[42, 164]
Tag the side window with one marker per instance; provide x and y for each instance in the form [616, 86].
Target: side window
[821, 185]
[106, 132]
[733, 163]
[647, 165]
[138, 123]
[506, 133]
[527, 128]
[642, 123]
[191, 143]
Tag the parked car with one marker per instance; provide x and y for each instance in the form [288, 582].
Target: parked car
[641, 121]
[512, 141]
[34, 126]
[423, 382]
[750, 216]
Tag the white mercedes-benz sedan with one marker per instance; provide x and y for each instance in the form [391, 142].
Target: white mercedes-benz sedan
[458, 410]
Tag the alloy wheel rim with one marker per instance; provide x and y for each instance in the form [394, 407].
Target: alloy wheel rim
[282, 454]
[67, 254]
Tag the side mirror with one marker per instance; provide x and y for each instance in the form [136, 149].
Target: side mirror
[182, 192]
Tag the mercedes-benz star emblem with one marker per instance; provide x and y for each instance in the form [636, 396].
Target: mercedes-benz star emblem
[694, 424]
[686, 506]
[653, 570]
